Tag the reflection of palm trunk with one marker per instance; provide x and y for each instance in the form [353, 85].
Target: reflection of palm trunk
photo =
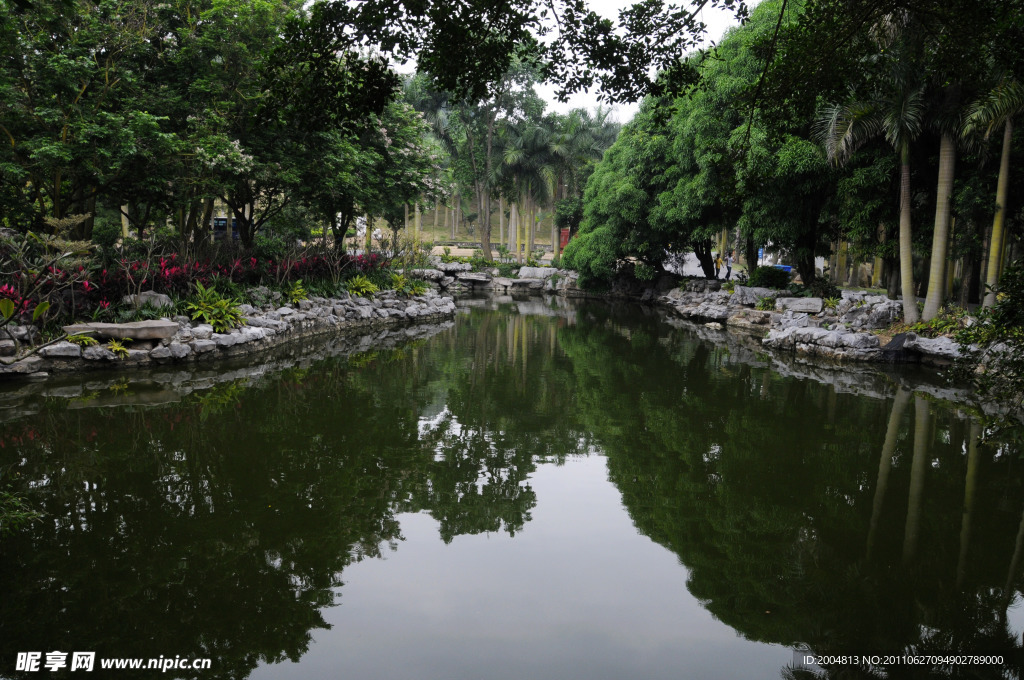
[917, 468]
[1011, 574]
[885, 463]
[970, 486]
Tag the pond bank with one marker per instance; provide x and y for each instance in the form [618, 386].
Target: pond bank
[845, 331]
[262, 329]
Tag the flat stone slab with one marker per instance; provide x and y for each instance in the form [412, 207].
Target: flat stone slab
[795, 304]
[536, 272]
[156, 329]
[474, 278]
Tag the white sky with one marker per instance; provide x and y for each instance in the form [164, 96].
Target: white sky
[717, 21]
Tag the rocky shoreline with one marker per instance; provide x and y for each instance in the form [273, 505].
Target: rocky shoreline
[179, 339]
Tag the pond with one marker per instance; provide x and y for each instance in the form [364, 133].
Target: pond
[539, 489]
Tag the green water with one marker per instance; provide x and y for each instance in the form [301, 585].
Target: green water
[578, 492]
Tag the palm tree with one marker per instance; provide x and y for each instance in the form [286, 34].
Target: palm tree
[996, 108]
[897, 112]
[529, 160]
[948, 122]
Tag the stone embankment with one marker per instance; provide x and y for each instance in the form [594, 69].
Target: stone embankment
[179, 339]
[805, 327]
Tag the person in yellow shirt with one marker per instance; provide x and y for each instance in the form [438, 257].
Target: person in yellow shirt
[718, 264]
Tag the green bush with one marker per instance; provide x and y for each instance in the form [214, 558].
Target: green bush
[993, 348]
[361, 286]
[824, 288]
[210, 307]
[769, 277]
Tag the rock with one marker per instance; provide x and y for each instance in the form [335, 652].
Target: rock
[156, 329]
[426, 274]
[478, 278]
[98, 353]
[161, 352]
[62, 349]
[178, 350]
[749, 296]
[501, 283]
[860, 341]
[536, 272]
[252, 334]
[791, 320]
[246, 310]
[25, 366]
[285, 311]
[532, 284]
[7, 348]
[224, 339]
[453, 267]
[203, 331]
[809, 305]
[203, 346]
[148, 297]
[714, 325]
[944, 349]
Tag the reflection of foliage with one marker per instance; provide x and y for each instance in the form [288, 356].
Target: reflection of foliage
[765, 487]
[15, 513]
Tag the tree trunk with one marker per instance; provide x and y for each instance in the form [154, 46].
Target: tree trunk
[940, 236]
[702, 249]
[501, 220]
[995, 248]
[751, 254]
[910, 314]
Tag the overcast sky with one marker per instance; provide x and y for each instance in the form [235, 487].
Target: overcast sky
[717, 22]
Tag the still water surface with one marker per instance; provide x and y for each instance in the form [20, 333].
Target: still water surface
[577, 492]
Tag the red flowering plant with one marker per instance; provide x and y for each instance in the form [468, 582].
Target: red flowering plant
[38, 281]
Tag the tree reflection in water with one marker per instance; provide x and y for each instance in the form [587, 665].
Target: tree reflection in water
[220, 526]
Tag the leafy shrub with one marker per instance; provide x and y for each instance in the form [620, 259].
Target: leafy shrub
[210, 307]
[824, 288]
[416, 287]
[83, 340]
[118, 348]
[362, 286]
[766, 304]
[643, 272]
[269, 247]
[831, 302]
[769, 277]
[993, 348]
[296, 292]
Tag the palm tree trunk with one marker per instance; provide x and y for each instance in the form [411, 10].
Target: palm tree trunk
[910, 314]
[940, 237]
[995, 249]
[501, 220]
[513, 222]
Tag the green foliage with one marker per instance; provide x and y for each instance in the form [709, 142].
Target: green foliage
[406, 286]
[993, 347]
[643, 272]
[118, 348]
[766, 304]
[209, 306]
[361, 286]
[823, 287]
[831, 303]
[296, 292]
[948, 322]
[83, 340]
[269, 247]
[15, 513]
[769, 277]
